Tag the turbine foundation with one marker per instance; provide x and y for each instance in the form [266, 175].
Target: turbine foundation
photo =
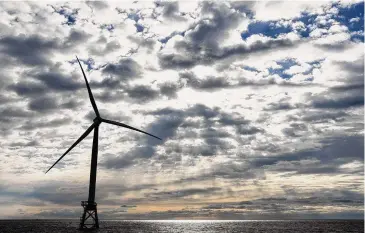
[89, 219]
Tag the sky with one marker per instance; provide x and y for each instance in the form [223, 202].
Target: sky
[260, 106]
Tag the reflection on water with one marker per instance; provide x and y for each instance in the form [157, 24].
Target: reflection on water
[186, 226]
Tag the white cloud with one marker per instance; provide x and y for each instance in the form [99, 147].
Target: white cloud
[226, 114]
[266, 10]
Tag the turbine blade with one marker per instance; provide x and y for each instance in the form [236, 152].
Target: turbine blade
[89, 90]
[127, 126]
[73, 145]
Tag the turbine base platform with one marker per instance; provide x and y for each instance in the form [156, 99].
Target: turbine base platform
[89, 219]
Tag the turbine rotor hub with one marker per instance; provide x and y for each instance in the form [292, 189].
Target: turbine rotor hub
[97, 120]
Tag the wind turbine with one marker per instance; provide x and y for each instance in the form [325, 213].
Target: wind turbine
[90, 205]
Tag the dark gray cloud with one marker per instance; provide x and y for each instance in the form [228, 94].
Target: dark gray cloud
[338, 102]
[212, 83]
[55, 192]
[47, 103]
[11, 117]
[133, 93]
[16, 112]
[328, 159]
[44, 123]
[282, 204]
[110, 46]
[295, 129]
[169, 89]
[58, 81]
[110, 96]
[35, 50]
[171, 11]
[109, 83]
[24, 144]
[209, 83]
[350, 93]
[164, 127]
[29, 50]
[248, 130]
[43, 104]
[125, 69]
[168, 122]
[279, 106]
[201, 41]
[142, 93]
[203, 36]
[27, 88]
[76, 37]
[142, 42]
[234, 170]
[97, 5]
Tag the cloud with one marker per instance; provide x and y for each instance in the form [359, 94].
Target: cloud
[142, 93]
[68, 13]
[328, 159]
[259, 105]
[284, 204]
[125, 69]
[28, 88]
[10, 112]
[189, 56]
[184, 193]
[19, 48]
[171, 120]
[171, 11]
[43, 104]
[57, 81]
[37, 124]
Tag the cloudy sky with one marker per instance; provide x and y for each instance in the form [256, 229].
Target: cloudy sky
[259, 104]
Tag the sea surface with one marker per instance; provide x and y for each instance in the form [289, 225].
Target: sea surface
[204, 226]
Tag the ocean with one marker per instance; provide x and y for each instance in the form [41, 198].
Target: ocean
[203, 226]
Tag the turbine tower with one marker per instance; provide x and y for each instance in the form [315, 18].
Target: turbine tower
[89, 206]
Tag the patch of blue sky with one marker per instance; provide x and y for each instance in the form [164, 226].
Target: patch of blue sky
[274, 28]
[250, 68]
[285, 65]
[88, 62]
[134, 16]
[353, 18]
[139, 27]
[266, 28]
[167, 38]
[70, 16]
[309, 79]
[314, 64]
